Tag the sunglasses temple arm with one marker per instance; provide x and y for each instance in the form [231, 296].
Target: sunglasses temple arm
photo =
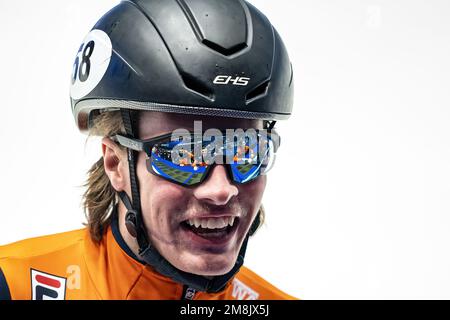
[133, 144]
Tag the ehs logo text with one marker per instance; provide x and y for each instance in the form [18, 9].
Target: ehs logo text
[236, 81]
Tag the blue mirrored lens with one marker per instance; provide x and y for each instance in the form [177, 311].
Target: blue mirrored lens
[244, 161]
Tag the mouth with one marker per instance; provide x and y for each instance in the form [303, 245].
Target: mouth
[217, 230]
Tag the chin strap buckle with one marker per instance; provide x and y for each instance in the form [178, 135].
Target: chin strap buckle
[131, 215]
[130, 223]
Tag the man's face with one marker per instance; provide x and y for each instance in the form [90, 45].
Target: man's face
[167, 207]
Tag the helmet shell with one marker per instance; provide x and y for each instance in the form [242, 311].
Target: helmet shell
[206, 57]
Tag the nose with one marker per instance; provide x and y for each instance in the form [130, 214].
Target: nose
[217, 189]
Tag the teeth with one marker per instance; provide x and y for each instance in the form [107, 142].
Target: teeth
[211, 223]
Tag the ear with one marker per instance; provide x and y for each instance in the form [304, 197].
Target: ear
[115, 162]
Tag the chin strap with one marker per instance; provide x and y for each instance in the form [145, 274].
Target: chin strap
[148, 253]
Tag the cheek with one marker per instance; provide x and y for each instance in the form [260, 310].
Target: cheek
[161, 200]
[250, 198]
[252, 192]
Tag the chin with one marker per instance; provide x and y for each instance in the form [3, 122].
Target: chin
[209, 265]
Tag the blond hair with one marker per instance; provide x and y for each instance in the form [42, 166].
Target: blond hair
[100, 197]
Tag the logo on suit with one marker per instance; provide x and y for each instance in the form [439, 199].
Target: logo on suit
[46, 286]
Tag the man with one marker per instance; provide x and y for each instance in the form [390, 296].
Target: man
[165, 221]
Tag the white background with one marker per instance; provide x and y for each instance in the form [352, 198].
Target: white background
[358, 204]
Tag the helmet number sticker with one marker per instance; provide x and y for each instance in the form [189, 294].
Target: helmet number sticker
[85, 62]
[91, 63]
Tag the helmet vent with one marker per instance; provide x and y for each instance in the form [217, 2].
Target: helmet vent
[197, 86]
[223, 26]
[224, 51]
[257, 93]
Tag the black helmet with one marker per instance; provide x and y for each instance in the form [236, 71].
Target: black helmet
[206, 57]
[203, 57]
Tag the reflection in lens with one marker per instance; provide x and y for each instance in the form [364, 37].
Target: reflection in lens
[184, 173]
[249, 171]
